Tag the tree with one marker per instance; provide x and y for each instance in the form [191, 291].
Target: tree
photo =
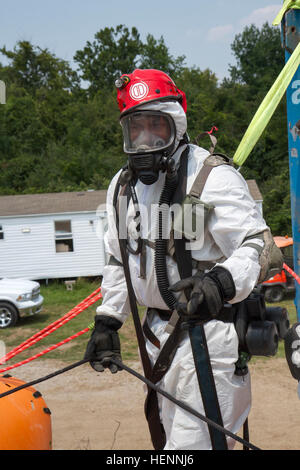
[200, 88]
[57, 136]
[155, 55]
[118, 50]
[47, 84]
[113, 52]
[259, 57]
[277, 203]
[33, 68]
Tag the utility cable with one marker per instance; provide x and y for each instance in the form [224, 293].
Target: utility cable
[42, 379]
[147, 382]
[183, 405]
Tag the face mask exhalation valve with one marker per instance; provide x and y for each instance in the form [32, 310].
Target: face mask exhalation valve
[147, 166]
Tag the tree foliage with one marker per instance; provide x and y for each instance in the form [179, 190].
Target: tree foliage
[260, 59]
[60, 129]
[115, 51]
[258, 55]
[33, 69]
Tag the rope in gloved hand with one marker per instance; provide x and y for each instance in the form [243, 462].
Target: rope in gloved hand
[146, 381]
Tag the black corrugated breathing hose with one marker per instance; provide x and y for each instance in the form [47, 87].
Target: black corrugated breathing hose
[162, 237]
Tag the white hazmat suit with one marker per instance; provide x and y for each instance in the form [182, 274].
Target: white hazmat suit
[234, 218]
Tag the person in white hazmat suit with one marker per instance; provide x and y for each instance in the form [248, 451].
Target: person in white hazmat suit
[226, 261]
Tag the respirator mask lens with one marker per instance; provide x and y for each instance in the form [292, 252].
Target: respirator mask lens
[147, 132]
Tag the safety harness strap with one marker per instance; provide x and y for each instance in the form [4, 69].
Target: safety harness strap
[209, 163]
[207, 385]
[156, 429]
[183, 256]
[213, 139]
[169, 349]
[162, 365]
[197, 334]
[200, 181]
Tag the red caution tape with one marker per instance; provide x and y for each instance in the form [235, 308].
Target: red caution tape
[50, 348]
[214, 128]
[90, 300]
[290, 271]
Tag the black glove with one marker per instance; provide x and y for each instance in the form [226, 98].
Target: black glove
[292, 352]
[104, 344]
[205, 293]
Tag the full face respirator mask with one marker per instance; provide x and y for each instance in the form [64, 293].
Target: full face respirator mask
[149, 141]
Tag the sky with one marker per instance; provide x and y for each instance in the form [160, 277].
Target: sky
[202, 30]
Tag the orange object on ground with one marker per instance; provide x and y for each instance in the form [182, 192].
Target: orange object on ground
[25, 418]
[282, 242]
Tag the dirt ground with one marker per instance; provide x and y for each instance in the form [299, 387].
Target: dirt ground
[102, 411]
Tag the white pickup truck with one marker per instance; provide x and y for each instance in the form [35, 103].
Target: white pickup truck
[18, 298]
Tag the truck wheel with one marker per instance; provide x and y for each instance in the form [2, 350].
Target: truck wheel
[8, 315]
[274, 294]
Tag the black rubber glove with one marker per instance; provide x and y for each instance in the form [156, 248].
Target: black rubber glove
[104, 344]
[205, 293]
[292, 350]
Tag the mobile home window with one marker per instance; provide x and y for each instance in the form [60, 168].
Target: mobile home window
[63, 236]
[1, 233]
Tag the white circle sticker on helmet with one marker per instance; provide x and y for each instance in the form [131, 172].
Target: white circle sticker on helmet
[138, 91]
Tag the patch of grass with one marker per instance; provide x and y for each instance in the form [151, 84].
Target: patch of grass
[57, 302]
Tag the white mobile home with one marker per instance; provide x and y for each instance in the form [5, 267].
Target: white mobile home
[56, 235]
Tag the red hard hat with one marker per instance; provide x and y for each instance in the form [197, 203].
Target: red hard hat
[145, 85]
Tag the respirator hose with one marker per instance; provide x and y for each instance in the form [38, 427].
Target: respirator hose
[162, 239]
